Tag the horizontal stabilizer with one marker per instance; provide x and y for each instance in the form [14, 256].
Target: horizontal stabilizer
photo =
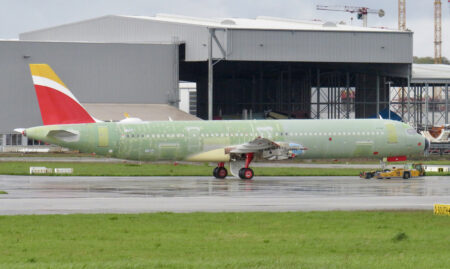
[19, 130]
[64, 135]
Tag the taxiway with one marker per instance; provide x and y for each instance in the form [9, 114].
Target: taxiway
[64, 195]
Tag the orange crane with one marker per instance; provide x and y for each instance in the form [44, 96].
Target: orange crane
[360, 11]
[437, 32]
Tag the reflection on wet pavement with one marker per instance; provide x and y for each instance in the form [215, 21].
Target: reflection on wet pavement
[87, 187]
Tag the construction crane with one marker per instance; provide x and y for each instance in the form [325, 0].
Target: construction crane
[402, 15]
[360, 11]
[437, 32]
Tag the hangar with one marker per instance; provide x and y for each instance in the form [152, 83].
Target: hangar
[259, 64]
[304, 69]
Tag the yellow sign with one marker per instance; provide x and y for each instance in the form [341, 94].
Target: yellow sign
[441, 209]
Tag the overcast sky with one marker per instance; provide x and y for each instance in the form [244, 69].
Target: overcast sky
[17, 16]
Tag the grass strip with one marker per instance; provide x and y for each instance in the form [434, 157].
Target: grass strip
[149, 169]
[152, 169]
[412, 239]
[3, 192]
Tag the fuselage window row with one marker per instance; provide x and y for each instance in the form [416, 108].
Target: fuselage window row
[255, 134]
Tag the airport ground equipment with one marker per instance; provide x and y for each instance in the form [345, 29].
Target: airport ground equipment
[405, 172]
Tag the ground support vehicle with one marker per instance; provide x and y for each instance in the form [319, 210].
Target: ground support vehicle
[406, 172]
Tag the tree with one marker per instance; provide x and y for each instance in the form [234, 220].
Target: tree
[428, 60]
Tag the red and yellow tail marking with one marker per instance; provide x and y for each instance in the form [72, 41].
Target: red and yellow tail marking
[57, 104]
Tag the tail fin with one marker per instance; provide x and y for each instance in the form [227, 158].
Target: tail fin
[57, 104]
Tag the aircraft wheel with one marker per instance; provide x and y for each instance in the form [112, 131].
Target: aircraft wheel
[406, 175]
[221, 172]
[246, 173]
[215, 171]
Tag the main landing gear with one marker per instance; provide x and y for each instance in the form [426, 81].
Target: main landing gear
[246, 172]
[220, 171]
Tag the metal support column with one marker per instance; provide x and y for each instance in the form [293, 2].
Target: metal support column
[378, 95]
[432, 106]
[408, 100]
[416, 123]
[347, 86]
[318, 93]
[328, 103]
[426, 106]
[210, 75]
[446, 104]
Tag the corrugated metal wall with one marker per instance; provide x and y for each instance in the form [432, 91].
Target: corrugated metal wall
[320, 46]
[95, 73]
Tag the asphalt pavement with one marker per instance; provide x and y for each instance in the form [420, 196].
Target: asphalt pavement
[65, 195]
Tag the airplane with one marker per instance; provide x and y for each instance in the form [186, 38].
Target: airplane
[239, 142]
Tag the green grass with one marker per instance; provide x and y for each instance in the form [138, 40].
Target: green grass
[48, 154]
[152, 169]
[149, 169]
[227, 240]
[3, 192]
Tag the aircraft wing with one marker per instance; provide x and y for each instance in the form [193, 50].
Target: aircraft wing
[258, 144]
[271, 150]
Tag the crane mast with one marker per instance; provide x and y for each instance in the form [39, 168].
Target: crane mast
[437, 32]
[402, 15]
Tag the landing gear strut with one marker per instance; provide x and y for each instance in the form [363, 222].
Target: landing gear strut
[220, 171]
[246, 172]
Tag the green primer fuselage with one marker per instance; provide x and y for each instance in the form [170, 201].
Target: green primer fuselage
[207, 140]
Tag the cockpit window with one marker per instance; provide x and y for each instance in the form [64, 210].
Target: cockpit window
[411, 131]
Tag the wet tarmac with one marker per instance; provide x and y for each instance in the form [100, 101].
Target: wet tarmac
[64, 195]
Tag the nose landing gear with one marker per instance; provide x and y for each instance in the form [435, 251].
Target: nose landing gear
[220, 171]
[246, 172]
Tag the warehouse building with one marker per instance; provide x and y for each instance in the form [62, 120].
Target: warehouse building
[300, 68]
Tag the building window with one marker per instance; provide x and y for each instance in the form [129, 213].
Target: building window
[13, 140]
[193, 103]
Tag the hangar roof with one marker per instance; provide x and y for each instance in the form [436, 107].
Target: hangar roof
[431, 73]
[240, 39]
[259, 23]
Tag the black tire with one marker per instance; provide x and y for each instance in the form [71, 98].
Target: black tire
[368, 176]
[246, 173]
[406, 175]
[221, 173]
[215, 172]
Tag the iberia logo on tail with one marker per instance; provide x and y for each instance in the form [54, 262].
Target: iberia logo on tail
[57, 104]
